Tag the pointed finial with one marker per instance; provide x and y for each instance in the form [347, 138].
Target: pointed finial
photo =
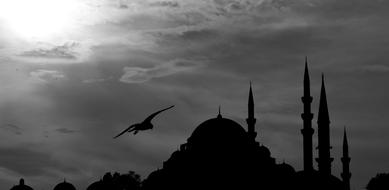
[251, 103]
[322, 82]
[251, 94]
[306, 67]
[21, 181]
[307, 90]
[345, 143]
[219, 115]
[251, 90]
[251, 97]
[344, 136]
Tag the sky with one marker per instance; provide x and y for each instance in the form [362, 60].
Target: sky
[74, 73]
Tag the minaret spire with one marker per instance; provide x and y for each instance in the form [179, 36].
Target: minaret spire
[346, 175]
[307, 117]
[323, 121]
[251, 119]
[323, 115]
[307, 86]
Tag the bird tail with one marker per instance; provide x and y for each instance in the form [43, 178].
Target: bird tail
[129, 129]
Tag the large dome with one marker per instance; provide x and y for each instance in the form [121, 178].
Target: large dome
[218, 131]
[64, 186]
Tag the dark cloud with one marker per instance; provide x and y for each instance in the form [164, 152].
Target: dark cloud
[123, 4]
[66, 131]
[333, 10]
[376, 68]
[96, 80]
[27, 162]
[193, 59]
[190, 38]
[139, 74]
[46, 75]
[12, 128]
[65, 51]
[171, 4]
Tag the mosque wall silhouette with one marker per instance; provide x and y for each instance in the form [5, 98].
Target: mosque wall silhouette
[221, 154]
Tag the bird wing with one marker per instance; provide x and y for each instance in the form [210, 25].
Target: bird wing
[148, 119]
[129, 128]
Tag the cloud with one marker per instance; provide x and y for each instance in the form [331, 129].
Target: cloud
[46, 75]
[12, 128]
[376, 68]
[140, 74]
[97, 80]
[65, 51]
[123, 4]
[333, 10]
[260, 40]
[171, 4]
[28, 162]
[65, 131]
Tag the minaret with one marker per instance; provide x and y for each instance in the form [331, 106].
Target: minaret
[251, 119]
[346, 175]
[323, 121]
[307, 116]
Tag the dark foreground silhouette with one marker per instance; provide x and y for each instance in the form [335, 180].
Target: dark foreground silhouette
[379, 182]
[130, 181]
[145, 125]
[21, 186]
[222, 154]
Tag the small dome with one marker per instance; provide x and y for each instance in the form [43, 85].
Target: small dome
[64, 186]
[21, 186]
[217, 130]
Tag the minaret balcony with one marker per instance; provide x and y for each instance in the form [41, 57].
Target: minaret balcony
[307, 99]
[307, 131]
[307, 116]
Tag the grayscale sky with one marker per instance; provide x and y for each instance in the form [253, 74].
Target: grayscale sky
[74, 73]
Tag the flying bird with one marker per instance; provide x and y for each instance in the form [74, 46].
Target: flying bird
[145, 125]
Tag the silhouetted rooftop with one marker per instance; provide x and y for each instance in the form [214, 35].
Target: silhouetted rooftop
[21, 186]
[95, 185]
[314, 179]
[64, 186]
[218, 131]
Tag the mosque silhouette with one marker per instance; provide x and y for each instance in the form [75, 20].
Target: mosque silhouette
[61, 186]
[221, 154]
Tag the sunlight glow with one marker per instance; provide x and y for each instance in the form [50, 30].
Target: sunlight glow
[38, 18]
